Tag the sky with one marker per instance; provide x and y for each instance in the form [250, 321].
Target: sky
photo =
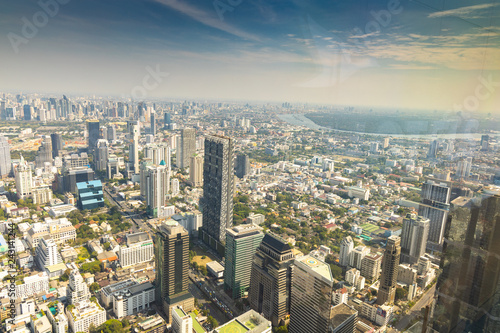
[384, 54]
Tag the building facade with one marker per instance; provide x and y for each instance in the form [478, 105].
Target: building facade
[389, 276]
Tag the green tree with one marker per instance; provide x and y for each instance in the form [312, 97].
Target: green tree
[281, 329]
[94, 287]
[401, 294]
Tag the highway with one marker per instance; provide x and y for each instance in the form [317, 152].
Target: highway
[415, 310]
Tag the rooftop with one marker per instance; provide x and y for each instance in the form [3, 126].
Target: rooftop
[317, 266]
[340, 313]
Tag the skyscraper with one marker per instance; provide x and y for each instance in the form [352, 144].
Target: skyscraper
[485, 142]
[153, 123]
[27, 112]
[77, 289]
[346, 247]
[435, 205]
[101, 154]
[468, 288]
[172, 264]
[57, 144]
[242, 165]
[414, 238]
[44, 152]
[5, 163]
[157, 182]
[389, 276]
[311, 296]
[187, 148]
[241, 243]
[167, 119]
[196, 171]
[218, 180]
[433, 149]
[463, 168]
[93, 131]
[271, 279]
[111, 136]
[134, 147]
[157, 153]
[24, 181]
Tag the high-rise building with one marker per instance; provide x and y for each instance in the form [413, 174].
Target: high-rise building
[485, 142]
[468, 288]
[241, 243]
[174, 187]
[27, 112]
[137, 249]
[187, 148]
[357, 255]
[463, 168]
[346, 247]
[57, 144]
[157, 185]
[153, 123]
[167, 119]
[389, 276]
[111, 133]
[433, 149]
[311, 296]
[343, 319]
[181, 321]
[172, 265]
[24, 180]
[93, 129]
[46, 253]
[5, 163]
[370, 266]
[435, 203]
[218, 180]
[242, 165]
[196, 171]
[44, 152]
[157, 153]
[134, 147]
[101, 155]
[271, 279]
[414, 238]
[386, 143]
[77, 289]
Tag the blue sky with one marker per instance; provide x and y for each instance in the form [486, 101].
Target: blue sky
[407, 54]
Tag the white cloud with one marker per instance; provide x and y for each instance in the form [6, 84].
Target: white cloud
[464, 12]
[206, 18]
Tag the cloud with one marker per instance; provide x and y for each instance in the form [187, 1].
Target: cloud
[468, 12]
[206, 18]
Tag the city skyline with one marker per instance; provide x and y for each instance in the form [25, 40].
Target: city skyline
[393, 53]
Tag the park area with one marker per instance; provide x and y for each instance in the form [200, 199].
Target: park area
[202, 257]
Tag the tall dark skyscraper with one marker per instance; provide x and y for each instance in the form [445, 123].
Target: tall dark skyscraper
[167, 119]
[485, 142]
[468, 288]
[94, 132]
[27, 112]
[57, 144]
[153, 123]
[271, 279]
[389, 276]
[435, 205]
[172, 264]
[242, 166]
[217, 201]
[311, 296]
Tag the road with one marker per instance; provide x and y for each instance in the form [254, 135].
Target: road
[204, 302]
[415, 310]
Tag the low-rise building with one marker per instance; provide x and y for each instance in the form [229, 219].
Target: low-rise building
[133, 299]
[181, 321]
[83, 314]
[139, 248]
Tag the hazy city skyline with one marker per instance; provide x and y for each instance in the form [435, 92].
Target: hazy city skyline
[383, 54]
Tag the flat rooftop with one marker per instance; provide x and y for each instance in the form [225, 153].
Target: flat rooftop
[317, 266]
